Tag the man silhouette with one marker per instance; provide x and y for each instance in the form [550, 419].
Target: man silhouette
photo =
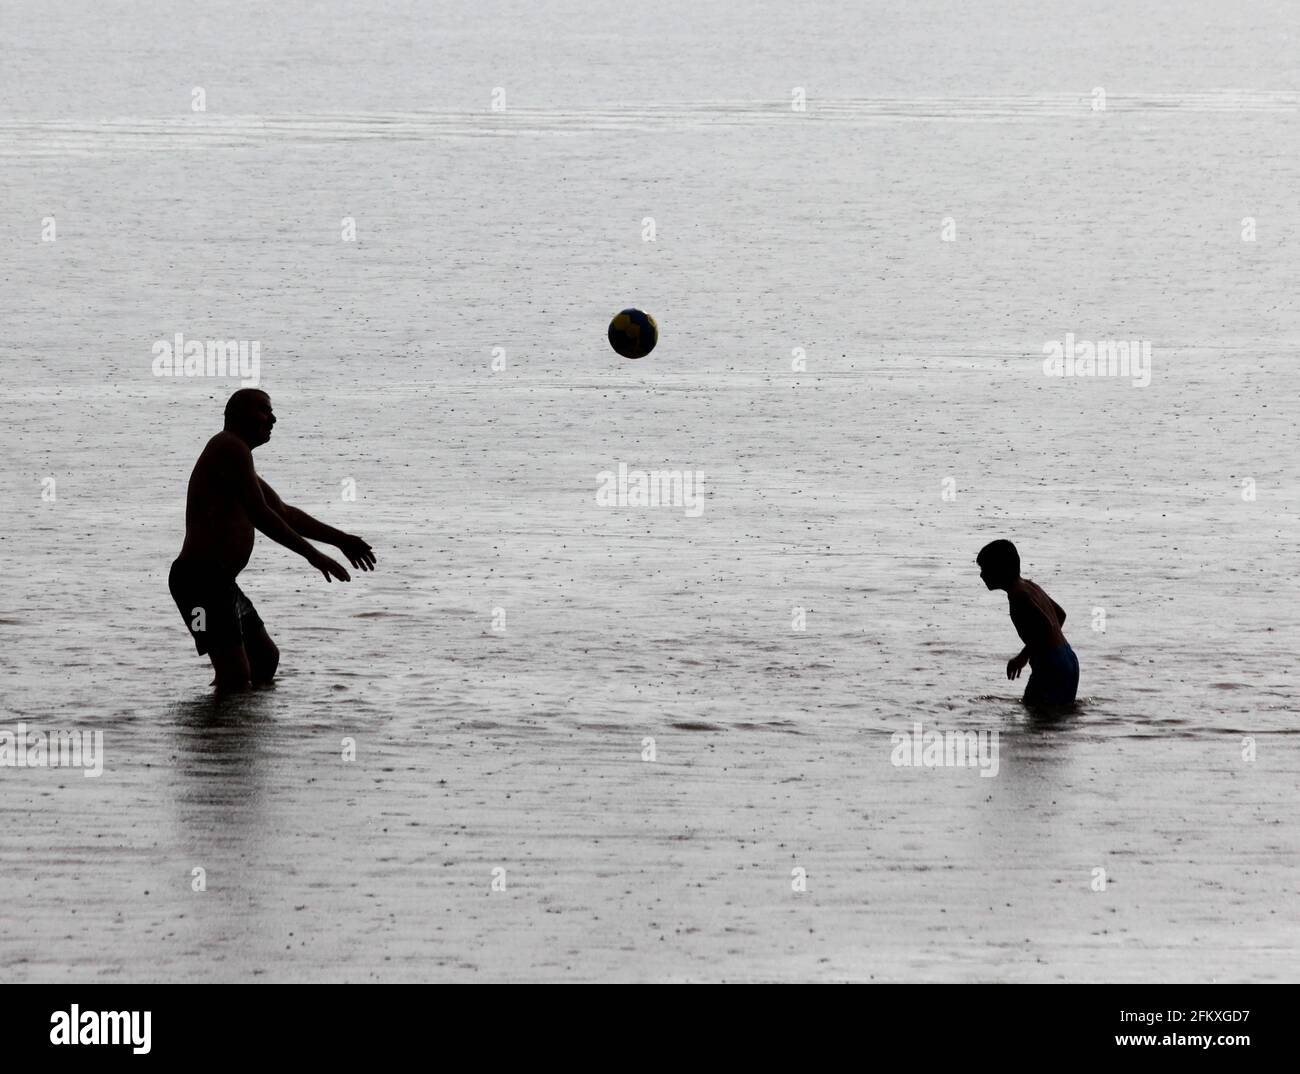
[225, 501]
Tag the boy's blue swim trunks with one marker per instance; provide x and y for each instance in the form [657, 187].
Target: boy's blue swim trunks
[1054, 678]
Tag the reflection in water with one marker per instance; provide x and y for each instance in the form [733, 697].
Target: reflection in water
[1036, 766]
[1052, 718]
[220, 744]
[220, 781]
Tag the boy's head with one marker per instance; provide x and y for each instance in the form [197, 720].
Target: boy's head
[999, 564]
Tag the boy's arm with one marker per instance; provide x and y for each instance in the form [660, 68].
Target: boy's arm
[1016, 604]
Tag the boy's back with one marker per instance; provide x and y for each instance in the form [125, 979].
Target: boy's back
[1037, 618]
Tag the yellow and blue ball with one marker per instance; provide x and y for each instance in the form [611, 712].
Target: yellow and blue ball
[633, 333]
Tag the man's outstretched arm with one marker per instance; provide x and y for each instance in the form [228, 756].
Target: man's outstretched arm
[359, 553]
[236, 460]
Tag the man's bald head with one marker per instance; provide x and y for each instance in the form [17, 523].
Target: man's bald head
[249, 416]
[243, 402]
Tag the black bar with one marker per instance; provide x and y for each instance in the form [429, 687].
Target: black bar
[335, 1023]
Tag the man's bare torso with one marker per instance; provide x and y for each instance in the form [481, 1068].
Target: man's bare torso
[217, 528]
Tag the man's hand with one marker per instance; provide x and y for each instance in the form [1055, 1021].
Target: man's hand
[328, 567]
[357, 551]
[1016, 665]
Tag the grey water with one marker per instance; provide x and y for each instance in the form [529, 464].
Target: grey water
[854, 301]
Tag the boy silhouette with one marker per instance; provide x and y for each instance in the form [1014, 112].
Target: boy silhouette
[1054, 678]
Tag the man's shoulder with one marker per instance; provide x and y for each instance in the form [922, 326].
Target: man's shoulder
[223, 457]
[226, 445]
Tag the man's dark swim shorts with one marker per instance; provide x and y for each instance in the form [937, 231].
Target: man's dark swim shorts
[227, 615]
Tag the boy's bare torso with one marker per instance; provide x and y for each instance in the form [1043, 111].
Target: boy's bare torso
[1037, 618]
